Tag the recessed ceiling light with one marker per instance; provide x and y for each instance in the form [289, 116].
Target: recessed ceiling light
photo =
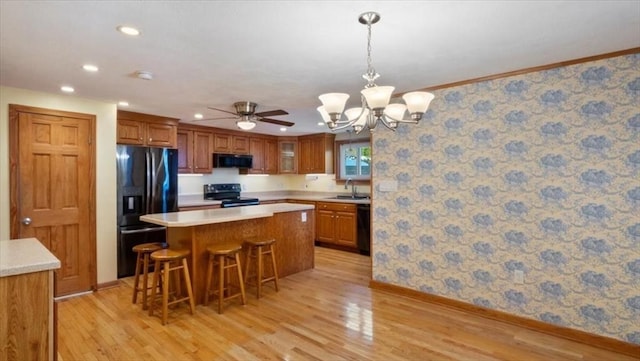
[320, 123]
[89, 67]
[67, 89]
[283, 129]
[197, 116]
[128, 30]
[123, 103]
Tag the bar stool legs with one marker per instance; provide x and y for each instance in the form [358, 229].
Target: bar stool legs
[261, 248]
[224, 258]
[166, 261]
[142, 266]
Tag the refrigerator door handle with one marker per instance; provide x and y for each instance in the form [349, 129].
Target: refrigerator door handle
[148, 185]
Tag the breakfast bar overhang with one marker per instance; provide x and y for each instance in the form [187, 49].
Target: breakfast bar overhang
[291, 225]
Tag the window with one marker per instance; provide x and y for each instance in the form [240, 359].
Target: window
[354, 161]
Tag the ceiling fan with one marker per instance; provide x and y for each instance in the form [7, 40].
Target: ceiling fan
[246, 114]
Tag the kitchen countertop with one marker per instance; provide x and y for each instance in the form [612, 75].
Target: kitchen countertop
[25, 255]
[194, 200]
[221, 215]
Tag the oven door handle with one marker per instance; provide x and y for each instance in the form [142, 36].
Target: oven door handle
[144, 230]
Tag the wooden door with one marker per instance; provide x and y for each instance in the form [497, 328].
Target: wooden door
[270, 156]
[185, 148]
[256, 149]
[305, 152]
[346, 229]
[52, 189]
[222, 143]
[131, 132]
[325, 226]
[161, 135]
[202, 160]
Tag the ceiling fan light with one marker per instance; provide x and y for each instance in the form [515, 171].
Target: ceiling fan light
[417, 102]
[334, 103]
[378, 96]
[245, 124]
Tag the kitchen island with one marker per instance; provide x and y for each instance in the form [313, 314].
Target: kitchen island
[27, 324]
[291, 225]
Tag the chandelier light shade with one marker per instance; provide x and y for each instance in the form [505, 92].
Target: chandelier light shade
[374, 99]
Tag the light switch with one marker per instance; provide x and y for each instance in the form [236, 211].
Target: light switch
[304, 216]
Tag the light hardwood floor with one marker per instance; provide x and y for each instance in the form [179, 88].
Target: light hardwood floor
[327, 313]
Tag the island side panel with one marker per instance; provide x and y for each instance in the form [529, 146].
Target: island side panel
[294, 247]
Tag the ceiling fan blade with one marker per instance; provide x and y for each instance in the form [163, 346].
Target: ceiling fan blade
[272, 113]
[275, 121]
[222, 110]
[220, 118]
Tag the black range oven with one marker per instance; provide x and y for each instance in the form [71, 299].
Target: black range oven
[229, 194]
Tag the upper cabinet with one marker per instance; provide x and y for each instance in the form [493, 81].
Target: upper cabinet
[315, 153]
[146, 130]
[194, 150]
[230, 143]
[265, 155]
[287, 155]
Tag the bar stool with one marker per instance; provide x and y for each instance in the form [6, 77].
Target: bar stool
[224, 258]
[258, 249]
[166, 261]
[143, 252]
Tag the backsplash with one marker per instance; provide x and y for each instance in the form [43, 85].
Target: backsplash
[321, 183]
[537, 173]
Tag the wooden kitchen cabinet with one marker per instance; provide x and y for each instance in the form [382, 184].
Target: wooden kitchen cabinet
[336, 223]
[265, 153]
[287, 156]
[194, 150]
[230, 143]
[316, 153]
[146, 130]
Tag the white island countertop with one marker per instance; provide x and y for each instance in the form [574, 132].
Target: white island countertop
[221, 215]
[25, 255]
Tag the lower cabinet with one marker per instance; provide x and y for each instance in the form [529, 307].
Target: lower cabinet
[336, 223]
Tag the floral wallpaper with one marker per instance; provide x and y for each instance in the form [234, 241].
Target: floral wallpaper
[538, 173]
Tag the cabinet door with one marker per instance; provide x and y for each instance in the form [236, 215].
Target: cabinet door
[287, 160]
[345, 229]
[202, 161]
[185, 156]
[256, 149]
[270, 156]
[222, 143]
[131, 132]
[305, 151]
[161, 135]
[240, 144]
[325, 226]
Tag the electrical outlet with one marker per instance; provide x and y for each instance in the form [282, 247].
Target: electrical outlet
[518, 277]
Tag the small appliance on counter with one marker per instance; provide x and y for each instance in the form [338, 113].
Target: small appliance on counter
[229, 194]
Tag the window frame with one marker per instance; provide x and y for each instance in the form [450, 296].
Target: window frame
[340, 177]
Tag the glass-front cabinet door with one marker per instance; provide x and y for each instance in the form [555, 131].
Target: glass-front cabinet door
[287, 160]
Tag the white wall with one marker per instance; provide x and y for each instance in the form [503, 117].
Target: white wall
[105, 166]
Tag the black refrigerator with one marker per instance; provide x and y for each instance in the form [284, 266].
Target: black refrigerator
[147, 183]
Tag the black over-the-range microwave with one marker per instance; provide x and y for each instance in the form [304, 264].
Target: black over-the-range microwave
[232, 160]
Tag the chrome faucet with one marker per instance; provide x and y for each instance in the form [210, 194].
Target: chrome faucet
[354, 189]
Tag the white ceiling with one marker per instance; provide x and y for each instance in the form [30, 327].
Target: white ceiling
[283, 54]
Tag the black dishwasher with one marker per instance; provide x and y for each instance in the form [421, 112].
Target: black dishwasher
[364, 229]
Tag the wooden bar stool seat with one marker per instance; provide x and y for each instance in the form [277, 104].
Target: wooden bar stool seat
[167, 261]
[143, 252]
[257, 249]
[224, 258]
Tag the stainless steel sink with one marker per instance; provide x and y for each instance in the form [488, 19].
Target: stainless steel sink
[340, 196]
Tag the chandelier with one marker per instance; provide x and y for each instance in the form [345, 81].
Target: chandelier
[374, 99]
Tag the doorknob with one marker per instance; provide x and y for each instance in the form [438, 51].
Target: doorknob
[26, 221]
